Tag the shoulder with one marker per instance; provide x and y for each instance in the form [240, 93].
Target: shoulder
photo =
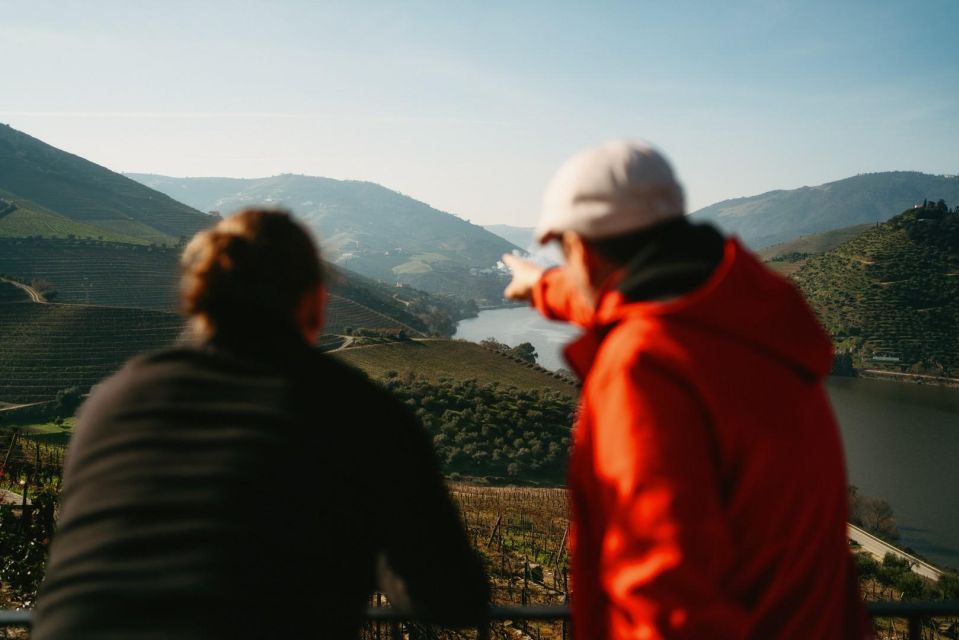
[333, 376]
[144, 376]
[643, 347]
[349, 395]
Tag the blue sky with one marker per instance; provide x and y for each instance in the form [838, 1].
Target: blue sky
[472, 106]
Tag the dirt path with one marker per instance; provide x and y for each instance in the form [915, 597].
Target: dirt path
[35, 296]
[347, 343]
[4, 406]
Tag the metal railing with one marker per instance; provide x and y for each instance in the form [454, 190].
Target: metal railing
[914, 614]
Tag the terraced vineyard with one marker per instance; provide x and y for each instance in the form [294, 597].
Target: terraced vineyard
[788, 257]
[125, 275]
[47, 347]
[343, 314]
[92, 272]
[891, 296]
[12, 293]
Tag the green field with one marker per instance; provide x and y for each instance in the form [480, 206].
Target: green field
[49, 432]
[453, 359]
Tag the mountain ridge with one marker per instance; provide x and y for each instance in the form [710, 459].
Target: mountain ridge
[782, 215]
[365, 227]
[89, 194]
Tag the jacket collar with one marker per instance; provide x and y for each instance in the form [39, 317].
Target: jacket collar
[612, 307]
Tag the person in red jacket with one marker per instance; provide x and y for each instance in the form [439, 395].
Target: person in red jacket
[707, 478]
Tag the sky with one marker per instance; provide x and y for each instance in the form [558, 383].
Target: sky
[471, 106]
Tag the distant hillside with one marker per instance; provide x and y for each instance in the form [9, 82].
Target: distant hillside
[891, 295]
[20, 218]
[436, 360]
[124, 275]
[58, 194]
[781, 216]
[47, 347]
[549, 254]
[520, 236]
[365, 227]
[788, 257]
[94, 272]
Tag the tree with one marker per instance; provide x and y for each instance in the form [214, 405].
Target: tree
[494, 344]
[879, 518]
[525, 351]
[67, 401]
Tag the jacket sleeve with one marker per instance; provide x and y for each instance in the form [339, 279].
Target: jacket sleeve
[557, 298]
[425, 542]
[664, 544]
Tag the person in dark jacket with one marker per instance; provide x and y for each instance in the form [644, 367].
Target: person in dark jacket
[244, 485]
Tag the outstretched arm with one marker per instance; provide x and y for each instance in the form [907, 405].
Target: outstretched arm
[550, 291]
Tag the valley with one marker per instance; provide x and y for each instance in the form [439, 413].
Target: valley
[403, 277]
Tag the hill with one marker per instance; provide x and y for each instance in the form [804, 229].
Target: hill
[788, 257]
[781, 216]
[520, 236]
[58, 194]
[366, 228]
[890, 296]
[94, 272]
[491, 416]
[48, 347]
[127, 275]
[20, 218]
[438, 360]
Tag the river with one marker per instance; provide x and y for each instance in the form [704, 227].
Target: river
[902, 440]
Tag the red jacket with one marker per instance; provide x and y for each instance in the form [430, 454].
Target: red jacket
[707, 479]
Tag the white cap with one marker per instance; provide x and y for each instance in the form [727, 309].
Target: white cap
[611, 190]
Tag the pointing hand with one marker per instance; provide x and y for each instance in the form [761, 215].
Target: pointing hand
[525, 275]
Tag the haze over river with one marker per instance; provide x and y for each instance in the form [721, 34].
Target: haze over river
[902, 440]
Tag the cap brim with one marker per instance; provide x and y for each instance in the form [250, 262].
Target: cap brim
[542, 237]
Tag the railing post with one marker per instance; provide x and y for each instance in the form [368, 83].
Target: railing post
[915, 627]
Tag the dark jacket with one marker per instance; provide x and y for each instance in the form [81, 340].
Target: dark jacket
[217, 492]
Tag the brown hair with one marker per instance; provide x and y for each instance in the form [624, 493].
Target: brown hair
[249, 270]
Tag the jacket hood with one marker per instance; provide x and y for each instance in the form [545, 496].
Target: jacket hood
[745, 302]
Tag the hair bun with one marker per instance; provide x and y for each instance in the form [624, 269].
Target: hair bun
[251, 269]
